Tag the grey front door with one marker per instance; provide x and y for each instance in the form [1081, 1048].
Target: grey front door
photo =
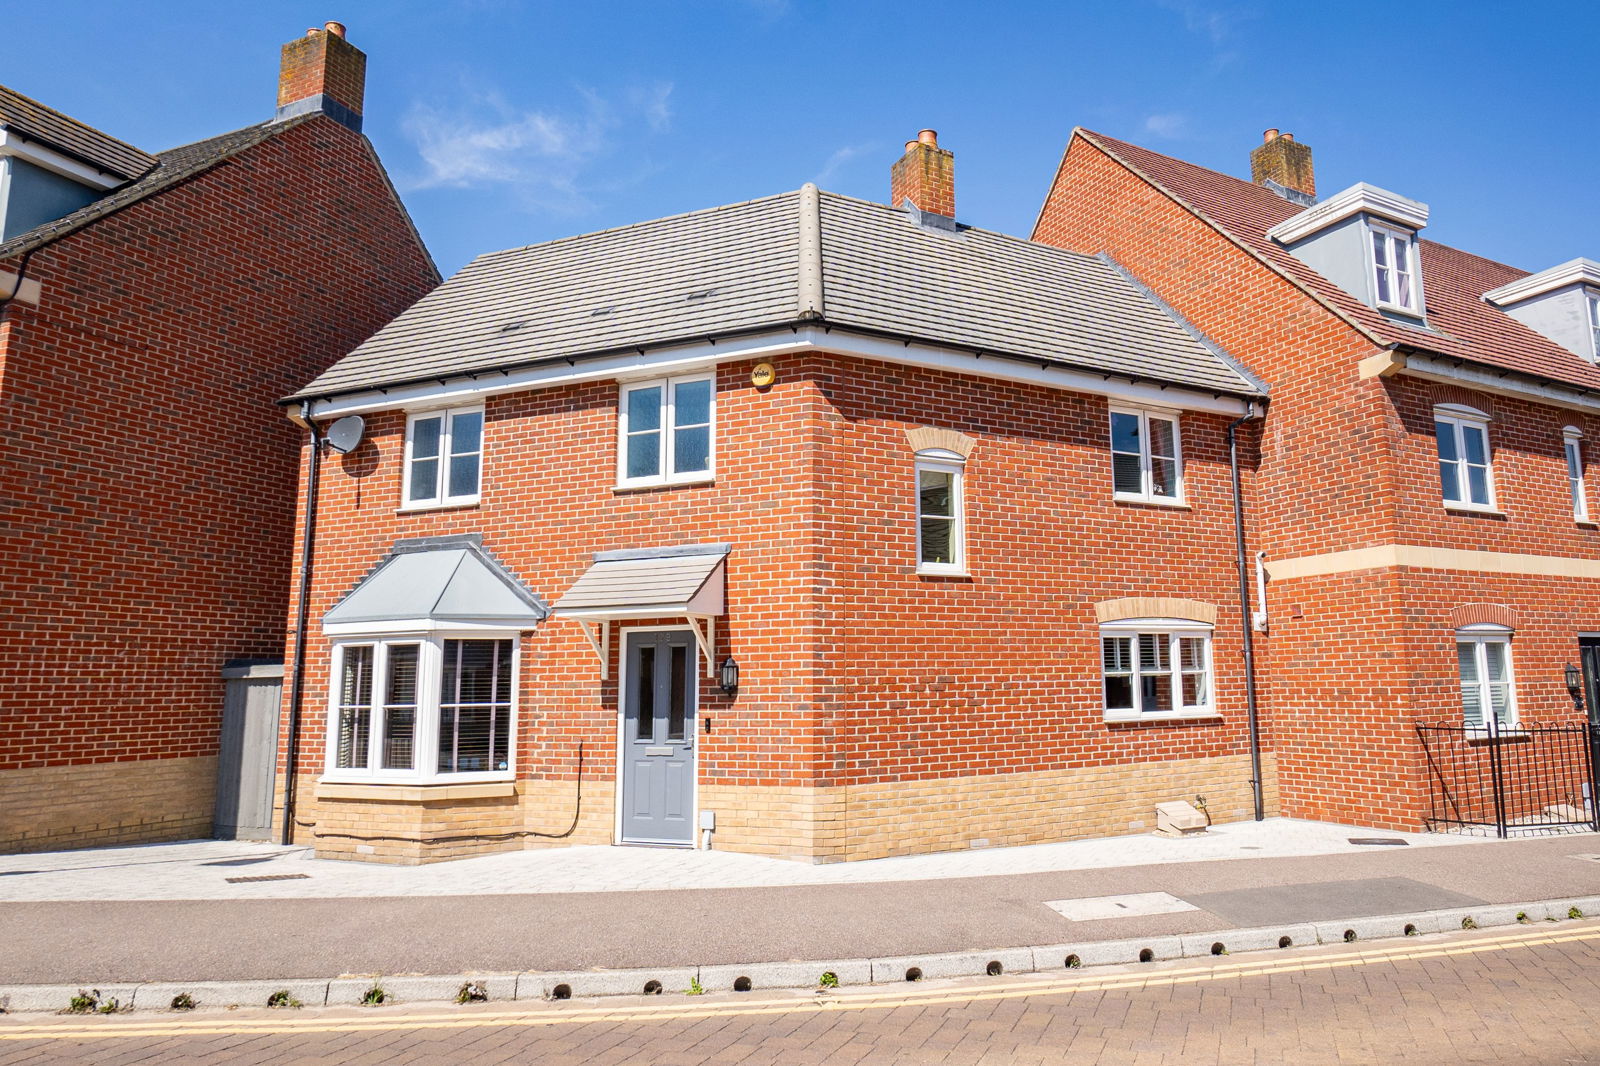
[658, 739]
[247, 760]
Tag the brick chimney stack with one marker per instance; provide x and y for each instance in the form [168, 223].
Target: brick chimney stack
[1283, 159]
[925, 175]
[323, 72]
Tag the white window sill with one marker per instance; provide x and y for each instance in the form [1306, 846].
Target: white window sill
[346, 777]
[942, 571]
[1135, 718]
[1473, 508]
[1410, 312]
[663, 483]
[440, 505]
[1151, 501]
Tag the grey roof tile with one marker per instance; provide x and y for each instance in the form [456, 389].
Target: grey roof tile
[880, 273]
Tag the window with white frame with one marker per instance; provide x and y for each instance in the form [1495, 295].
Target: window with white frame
[1156, 668]
[1572, 451]
[941, 512]
[1592, 299]
[665, 430]
[1394, 268]
[1488, 692]
[420, 708]
[1146, 456]
[1465, 476]
[444, 457]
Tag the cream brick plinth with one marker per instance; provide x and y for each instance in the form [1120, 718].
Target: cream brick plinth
[96, 804]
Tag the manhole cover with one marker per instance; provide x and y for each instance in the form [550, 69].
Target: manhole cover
[1094, 908]
[264, 877]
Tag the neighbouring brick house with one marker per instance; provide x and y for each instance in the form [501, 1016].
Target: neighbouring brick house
[1420, 496]
[154, 307]
[855, 453]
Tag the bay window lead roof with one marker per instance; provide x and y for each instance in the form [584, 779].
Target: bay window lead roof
[453, 582]
[803, 258]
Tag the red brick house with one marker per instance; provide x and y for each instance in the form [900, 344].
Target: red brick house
[831, 530]
[1421, 493]
[152, 308]
[806, 526]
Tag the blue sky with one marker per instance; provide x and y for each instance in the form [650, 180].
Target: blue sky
[506, 122]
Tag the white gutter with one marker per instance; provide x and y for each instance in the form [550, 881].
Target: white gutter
[705, 354]
[1499, 382]
[14, 144]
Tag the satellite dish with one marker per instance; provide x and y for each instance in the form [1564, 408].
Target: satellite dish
[345, 434]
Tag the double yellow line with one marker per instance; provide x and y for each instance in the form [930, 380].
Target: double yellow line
[912, 996]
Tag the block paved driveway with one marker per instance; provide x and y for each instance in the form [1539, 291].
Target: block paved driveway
[1524, 995]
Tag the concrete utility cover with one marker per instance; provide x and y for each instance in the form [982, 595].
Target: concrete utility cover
[1327, 900]
[1094, 908]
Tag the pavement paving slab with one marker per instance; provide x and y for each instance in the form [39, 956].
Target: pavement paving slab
[109, 940]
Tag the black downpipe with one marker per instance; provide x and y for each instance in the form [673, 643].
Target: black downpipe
[302, 616]
[1244, 614]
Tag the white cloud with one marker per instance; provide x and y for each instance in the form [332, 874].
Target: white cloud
[837, 161]
[545, 154]
[1166, 125]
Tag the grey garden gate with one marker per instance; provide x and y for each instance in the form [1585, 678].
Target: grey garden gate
[247, 760]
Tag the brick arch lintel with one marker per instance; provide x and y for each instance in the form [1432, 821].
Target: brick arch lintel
[1155, 607]
[1464, 397]
[1479, 614]
[925, 437]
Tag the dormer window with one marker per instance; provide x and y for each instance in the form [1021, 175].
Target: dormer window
[1593, 301]
[1563, 303]
[1364, 240]
[1393, 267]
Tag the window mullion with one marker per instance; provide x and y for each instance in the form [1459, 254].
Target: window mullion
[380, 698]
[430, 660]
[669, 422]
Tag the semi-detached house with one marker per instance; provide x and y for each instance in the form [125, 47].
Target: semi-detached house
[806, 526]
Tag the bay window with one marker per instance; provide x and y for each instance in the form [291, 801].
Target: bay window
[1156, 668]
[422, 708]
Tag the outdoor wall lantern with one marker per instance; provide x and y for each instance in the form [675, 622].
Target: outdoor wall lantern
[729, 676]
[1575, 684]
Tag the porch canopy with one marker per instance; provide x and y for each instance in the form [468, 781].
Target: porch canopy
[436, 583]
[687, 581]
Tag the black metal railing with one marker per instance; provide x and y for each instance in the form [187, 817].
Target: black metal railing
[1527, 779]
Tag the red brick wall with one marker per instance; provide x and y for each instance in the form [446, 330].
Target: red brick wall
[148, 476]
[853, 668]
[1354, 659]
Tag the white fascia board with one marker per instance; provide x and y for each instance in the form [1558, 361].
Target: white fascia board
[1572, 272]
[701, 356]
[1357, 199]
[1484, 379]
[15, 144]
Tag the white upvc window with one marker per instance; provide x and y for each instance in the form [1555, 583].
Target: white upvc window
[941, 512]
[423, 708]
[1488, 689]
[1394, 273]
[1466, 476]
[1572, 452]
[666, 431]
[444, 458]
[1146, 456]
[1155, 668]
[1592, 299]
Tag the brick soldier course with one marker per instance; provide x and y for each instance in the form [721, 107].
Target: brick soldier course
[149, 478]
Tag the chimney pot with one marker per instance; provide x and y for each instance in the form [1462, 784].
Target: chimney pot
[312, 31]
[925, 176]
[335, 28]
[1282, 159]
